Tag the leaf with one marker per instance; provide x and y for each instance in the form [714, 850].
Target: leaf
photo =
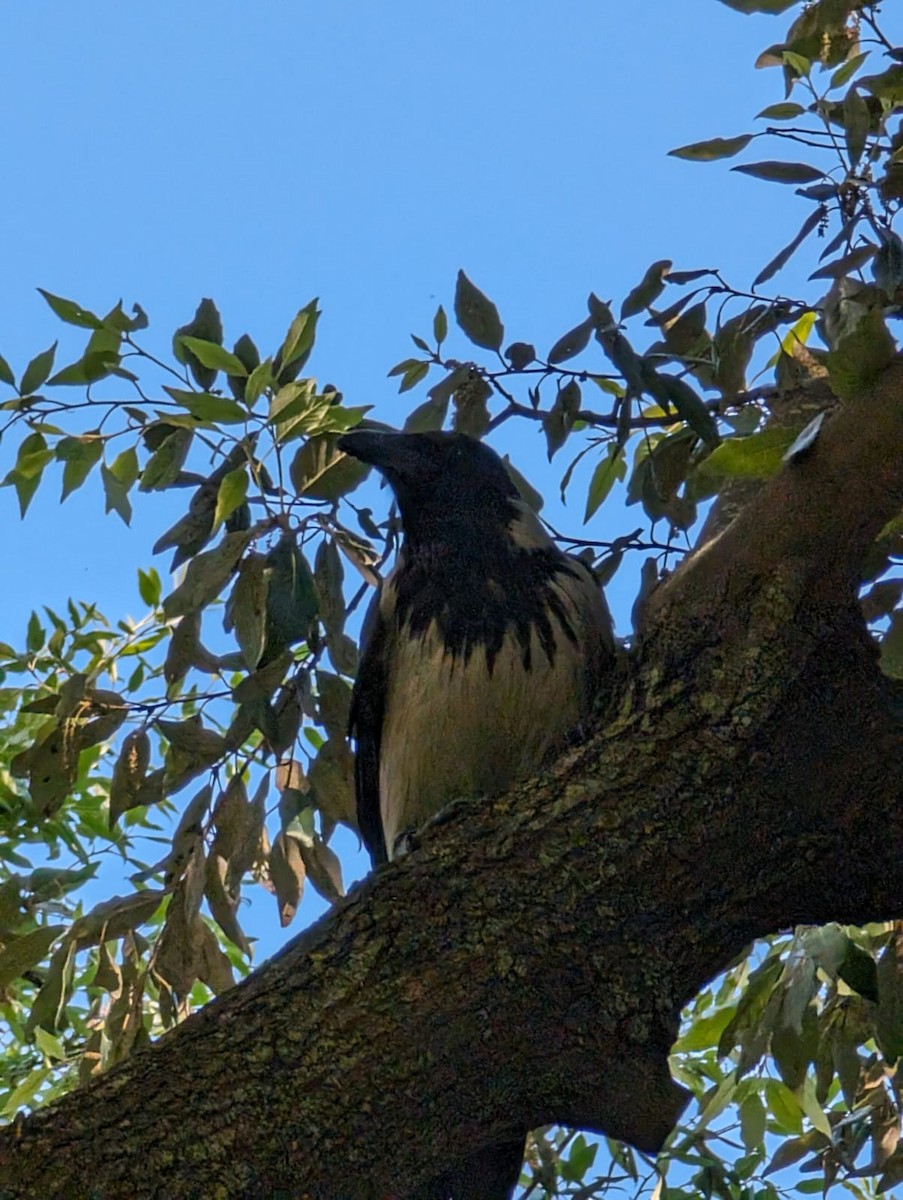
[204, 406]
[37, 371]
[785, 111]
[569, 344]
[847, 70]
[783, 256]
[328, 577]
[24, 952]
[129, 774]
[6, 374]
[609, 469]
[427, 416]
[440, 326]
[647, 290]
[322, 866]
[332, 781]
[164, 465]
[215, 356]
[690, 407]
[287, 873]
[477, 315]
[713, 148]
[206, 575]
[291, 603]
[781, 172]
[79, 455]
[117, 499]
[320, 471]
[207, 325]
[520, 355]
[246, 610]
[862, 348]
[298, 342]
[856, 123]
[72, 313]
[150, 587]
[755, 457]
[232, 492]
[752, 1122]
[762, 6]
[847, 264]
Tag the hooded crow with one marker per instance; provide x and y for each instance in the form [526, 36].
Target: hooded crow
[484, 648]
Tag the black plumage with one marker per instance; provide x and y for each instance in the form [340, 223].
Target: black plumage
[483, 649]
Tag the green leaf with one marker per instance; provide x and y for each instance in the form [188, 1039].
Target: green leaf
[36, 635]
[847, 70]
[798, 63]
[786, 111]
[440, 326]
[164, 465]
[150, 587]
[811, 222]
[781, 172]
[25, 952]
[572, 342]
[260, 380]
[647, 290]
[246, 611]
[207, 325]
[755, 457]
[759, 6]
[784, 1106]
[690, 407]
[125, 467]
[88, 369]
[477, 315]
[6, 374]
[204, 406]
[79, 455]
[299, 340]
[33, 456]
[37, 371]
[413, 376]
[856, 123]
[211, 354]
[320, 471]
[116, 493]
[232, 492]
[292, 601]
[427, 416]
[609, 469]
[713, 148]
[206, 575]
[72, 313]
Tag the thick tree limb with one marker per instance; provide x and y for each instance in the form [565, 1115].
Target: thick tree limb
[528, 962]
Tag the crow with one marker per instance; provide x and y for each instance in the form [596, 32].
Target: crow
[483, 650]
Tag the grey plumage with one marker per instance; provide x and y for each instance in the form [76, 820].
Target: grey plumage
[484, 648]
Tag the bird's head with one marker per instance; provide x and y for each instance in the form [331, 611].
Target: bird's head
[442, 481]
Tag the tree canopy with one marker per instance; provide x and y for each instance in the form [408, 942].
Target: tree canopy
[675, 956]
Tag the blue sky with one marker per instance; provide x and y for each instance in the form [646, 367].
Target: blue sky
[263, 154]
[363, 153]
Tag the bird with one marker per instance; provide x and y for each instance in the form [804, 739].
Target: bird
[483, 650]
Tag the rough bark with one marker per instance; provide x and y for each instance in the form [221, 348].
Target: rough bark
[528, 961]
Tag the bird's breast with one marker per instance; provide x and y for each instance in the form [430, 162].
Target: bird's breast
[472, 719]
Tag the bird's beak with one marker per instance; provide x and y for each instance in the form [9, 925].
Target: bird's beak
[390, 453]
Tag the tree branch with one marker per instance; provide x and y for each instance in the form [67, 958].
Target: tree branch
[528, 961]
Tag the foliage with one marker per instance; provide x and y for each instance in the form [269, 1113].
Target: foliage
[203, 746]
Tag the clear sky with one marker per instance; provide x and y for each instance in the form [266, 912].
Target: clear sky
[265, 153]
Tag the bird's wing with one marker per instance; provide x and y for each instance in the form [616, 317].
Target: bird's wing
[368, 702]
